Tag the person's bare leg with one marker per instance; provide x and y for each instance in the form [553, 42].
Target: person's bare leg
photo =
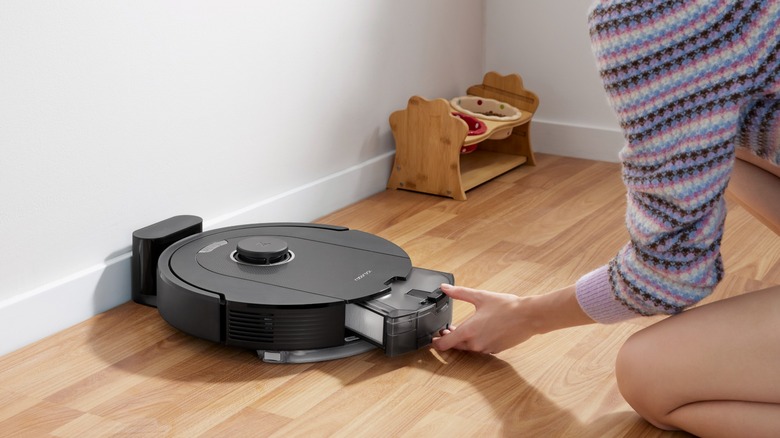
[711, 371]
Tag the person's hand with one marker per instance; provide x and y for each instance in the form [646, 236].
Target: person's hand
[500, 321]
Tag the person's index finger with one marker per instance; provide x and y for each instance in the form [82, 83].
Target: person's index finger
[461, 293]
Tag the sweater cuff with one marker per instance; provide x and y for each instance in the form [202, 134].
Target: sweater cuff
[594, 293]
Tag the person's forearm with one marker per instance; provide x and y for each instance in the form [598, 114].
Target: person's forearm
[557, 310]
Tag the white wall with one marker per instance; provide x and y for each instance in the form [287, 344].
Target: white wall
[117, 114]
[547, 42]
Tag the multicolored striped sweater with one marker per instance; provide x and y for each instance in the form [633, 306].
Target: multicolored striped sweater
[689, 80]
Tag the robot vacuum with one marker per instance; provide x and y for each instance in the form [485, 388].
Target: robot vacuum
[295, 292]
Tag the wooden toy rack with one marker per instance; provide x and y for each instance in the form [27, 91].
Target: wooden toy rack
[429, 139]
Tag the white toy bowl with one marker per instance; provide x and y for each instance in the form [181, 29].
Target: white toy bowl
[484, 108]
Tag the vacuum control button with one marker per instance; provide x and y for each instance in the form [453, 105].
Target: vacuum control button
[436, 296]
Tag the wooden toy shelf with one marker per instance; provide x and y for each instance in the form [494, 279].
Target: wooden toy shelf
[429, 140]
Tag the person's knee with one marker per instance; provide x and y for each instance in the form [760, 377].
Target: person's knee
[637, 379]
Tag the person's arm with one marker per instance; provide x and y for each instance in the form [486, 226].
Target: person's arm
[501, 321]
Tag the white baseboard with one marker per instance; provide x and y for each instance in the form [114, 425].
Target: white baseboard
[46, 310]
[587, 142]
[43, 311]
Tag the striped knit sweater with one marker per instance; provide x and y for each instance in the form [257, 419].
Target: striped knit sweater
[689, 80]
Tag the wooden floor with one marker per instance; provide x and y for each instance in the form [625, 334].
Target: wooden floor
[127, 373]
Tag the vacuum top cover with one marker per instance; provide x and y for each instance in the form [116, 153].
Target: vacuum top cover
[292, 264]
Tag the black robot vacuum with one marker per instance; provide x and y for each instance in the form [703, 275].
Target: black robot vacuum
[295, 292]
